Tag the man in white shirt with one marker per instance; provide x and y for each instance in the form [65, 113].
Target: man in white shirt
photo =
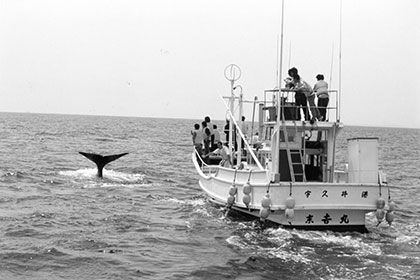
[321, 91]
[223, 151]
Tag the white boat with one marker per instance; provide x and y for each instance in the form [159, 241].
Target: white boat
[289, 176]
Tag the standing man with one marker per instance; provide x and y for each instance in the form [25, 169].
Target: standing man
[216, 136]
[210, 127]
[197, 139]
[321, 91]
[223, 151]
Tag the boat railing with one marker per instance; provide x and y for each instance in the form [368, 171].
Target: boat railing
[205, 168]
[342, 176]
[288, 103]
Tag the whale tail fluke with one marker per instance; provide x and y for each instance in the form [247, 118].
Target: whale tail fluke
[100, 160]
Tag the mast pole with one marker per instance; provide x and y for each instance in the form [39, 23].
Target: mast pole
[231, 107]
[339, 62]
[280, 58]
[277, 62]
[276, 147]
[238, 136]
[232, 74]
[338, 102]
[332, 61]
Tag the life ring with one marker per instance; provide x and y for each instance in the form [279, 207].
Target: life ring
[308, 134]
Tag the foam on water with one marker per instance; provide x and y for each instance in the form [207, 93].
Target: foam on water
[110, 178]
[192, 202]
[81, 173]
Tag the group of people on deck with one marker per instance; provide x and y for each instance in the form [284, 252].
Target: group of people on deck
[304, 94]
[206, 140]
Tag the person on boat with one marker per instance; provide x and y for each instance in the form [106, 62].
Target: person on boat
[254, 138]
[255, 141]
[226, 130]
[216, 137]
[301, 88]
[223, 151]
[316, 115]
[197, 138]
[210, 127]
[244, 127]
[206, 137]
[321, 91]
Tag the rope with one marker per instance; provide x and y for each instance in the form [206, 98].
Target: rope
[380, 188]
[234, 177]
[249, 177]
[268, 187]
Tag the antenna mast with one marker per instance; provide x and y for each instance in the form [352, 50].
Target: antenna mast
[281, 51]
[332, 60]
[277, 61]
[339, 62]
[275, 149]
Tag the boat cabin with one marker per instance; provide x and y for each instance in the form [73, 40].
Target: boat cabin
[306, 148]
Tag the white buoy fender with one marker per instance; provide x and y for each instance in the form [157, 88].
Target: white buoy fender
[230, 200]
[380, 214]
[266, 201]
[389, 217]
[233, 190]
[380, 203]
[246, 199]
[391, 206]
[264, 213]
[289, 213]
[247, 188]
[290, 202]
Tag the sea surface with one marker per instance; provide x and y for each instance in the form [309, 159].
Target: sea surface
[148, 219]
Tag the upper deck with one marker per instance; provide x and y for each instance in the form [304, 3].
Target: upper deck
[301, 149]
[289, 109]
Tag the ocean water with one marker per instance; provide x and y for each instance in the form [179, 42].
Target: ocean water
[148, 219]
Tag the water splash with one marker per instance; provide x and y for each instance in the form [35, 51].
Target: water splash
[111, 178]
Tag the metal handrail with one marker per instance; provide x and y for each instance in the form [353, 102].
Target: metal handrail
[285, 94]
[203, 164]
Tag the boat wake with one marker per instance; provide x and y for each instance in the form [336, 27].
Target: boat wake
[295, 249]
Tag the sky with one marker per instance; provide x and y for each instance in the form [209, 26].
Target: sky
[165, 58]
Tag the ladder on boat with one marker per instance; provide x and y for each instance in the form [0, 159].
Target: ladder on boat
[294, 157]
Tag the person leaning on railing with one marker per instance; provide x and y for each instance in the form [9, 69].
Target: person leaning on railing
[223, 151]
[300, 87]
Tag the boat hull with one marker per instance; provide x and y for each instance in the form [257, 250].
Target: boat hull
[316, 205]
[278, 217]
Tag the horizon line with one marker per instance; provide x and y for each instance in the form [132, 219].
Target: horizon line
[180, 118]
